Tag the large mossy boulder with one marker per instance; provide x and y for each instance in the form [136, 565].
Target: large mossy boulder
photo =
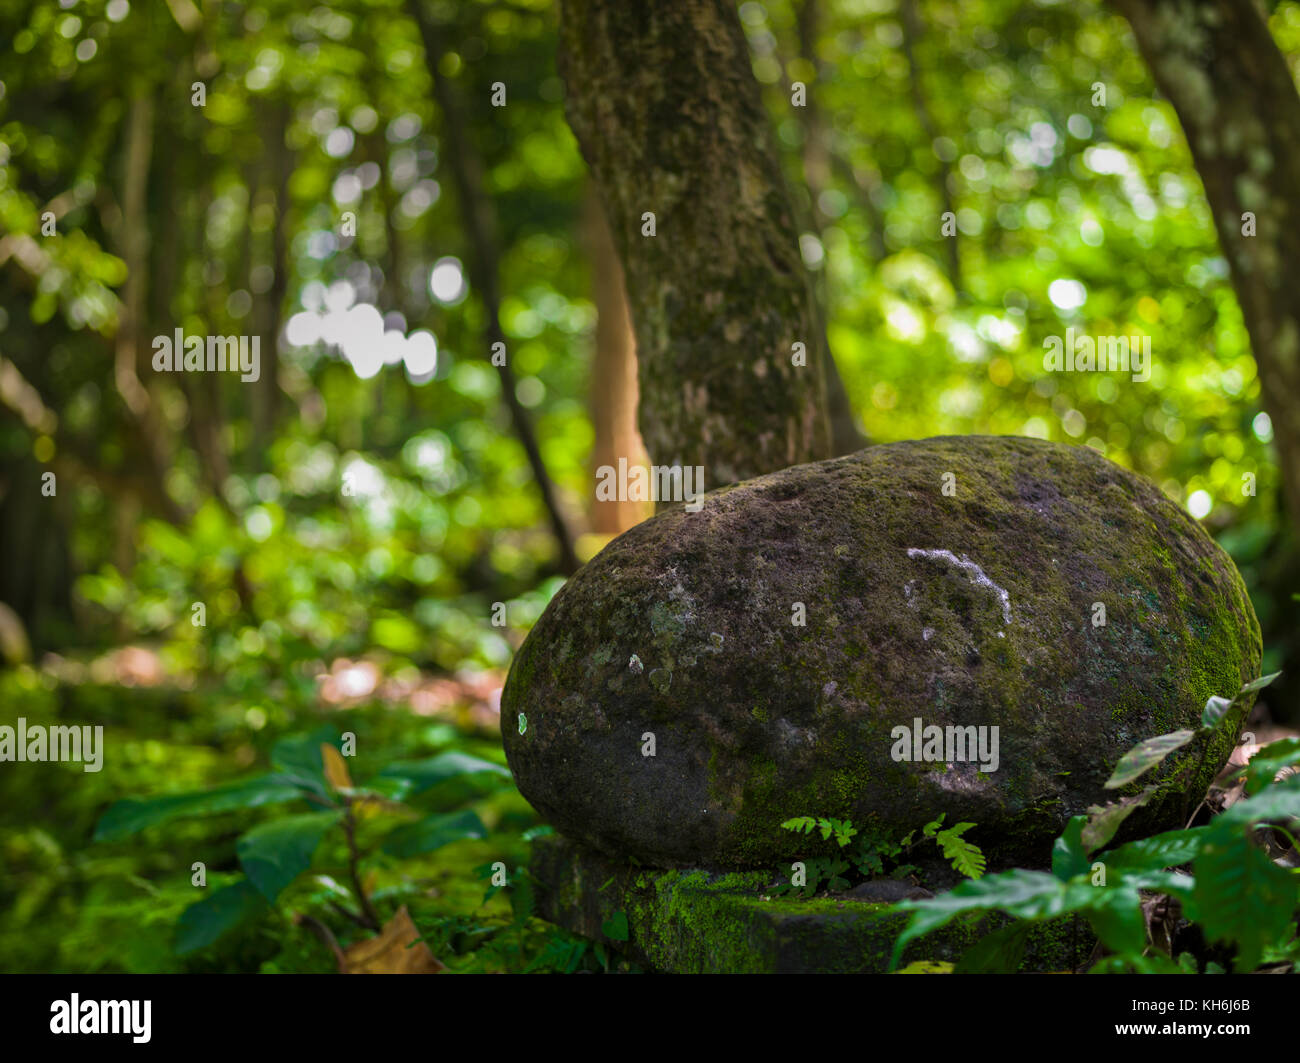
[969, 581]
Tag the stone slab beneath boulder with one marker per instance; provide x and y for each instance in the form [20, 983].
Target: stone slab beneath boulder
[697, 922]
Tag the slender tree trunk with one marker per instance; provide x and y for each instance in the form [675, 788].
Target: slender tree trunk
[483, 256]
[266, 405]
[1218, 64]
[669, 117]
[133, 237]
[613, 374]
[846, 435]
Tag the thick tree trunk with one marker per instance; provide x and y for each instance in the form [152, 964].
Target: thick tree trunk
[1218, 64]
[669, 116]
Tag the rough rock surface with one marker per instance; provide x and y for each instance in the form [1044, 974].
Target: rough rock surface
[974, 607]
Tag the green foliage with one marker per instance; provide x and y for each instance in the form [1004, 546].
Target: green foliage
[1234, 892]
[842, 829]
[875, 853]
[205, 922]
[966, 857]
[298, 576]
[615, 927]
[273, 854]
[277, 853]
[1145, 756]
[132, 814]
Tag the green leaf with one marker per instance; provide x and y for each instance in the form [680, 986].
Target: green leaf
[615, 927]
[134, 814]
[1240, 894]
[1157, 852]
[1258, 684]
[997, 953]
[965, 856]
[1116, 918]
[425, 774]
[274, 854]
[1215, 710]
[1175, 883]
[1068, 855]
[1027, 894]
[299, 755]
[204, 922]
[800, 823]
[1146, 755]
[433, 832]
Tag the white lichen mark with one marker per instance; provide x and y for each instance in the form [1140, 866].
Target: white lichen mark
[973, 572]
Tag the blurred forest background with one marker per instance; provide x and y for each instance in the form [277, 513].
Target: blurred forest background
[346, 190]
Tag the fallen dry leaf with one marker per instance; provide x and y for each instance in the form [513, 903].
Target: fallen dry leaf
[388, 953]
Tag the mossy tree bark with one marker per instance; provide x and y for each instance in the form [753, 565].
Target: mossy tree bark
[1218, 64]
[669, 116]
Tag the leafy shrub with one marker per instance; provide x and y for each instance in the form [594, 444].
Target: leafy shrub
[1234, 892]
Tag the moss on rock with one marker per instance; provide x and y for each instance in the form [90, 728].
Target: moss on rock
[697, 922]
[969, 608]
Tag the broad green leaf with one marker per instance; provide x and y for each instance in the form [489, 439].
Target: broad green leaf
[274, 854]
[1104, 822]
[1241, 895]
[615, 927]
[300, 756]
[425, 774]
[1146, 755]
[1157, 852]
[1156, 963]
[997, 953]
[204, 922]
[134, 814]
[433, 832]
[1116, 918]
[1175, 883]
[1068, 856]
[1026, 894]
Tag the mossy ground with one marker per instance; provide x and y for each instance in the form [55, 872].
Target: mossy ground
[699, 922]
